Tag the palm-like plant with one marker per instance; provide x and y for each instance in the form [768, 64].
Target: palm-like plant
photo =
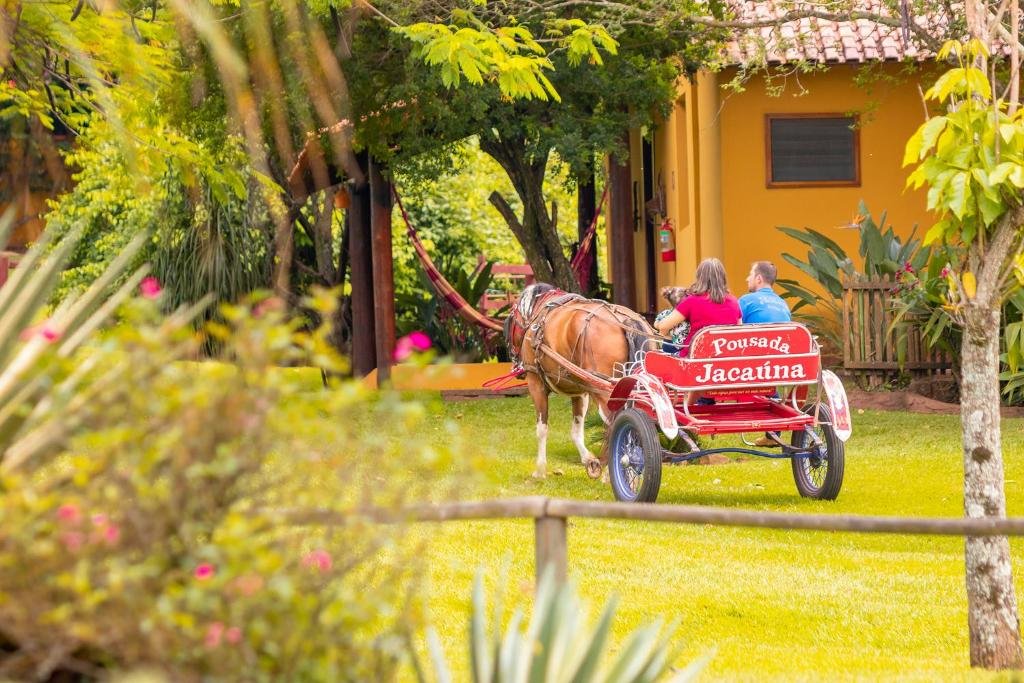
[35, 336]
[558, 646]
[882, 252]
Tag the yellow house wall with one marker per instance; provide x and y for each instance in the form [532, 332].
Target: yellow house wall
[890, 113]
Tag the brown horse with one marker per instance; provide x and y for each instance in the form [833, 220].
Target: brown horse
[570, 345]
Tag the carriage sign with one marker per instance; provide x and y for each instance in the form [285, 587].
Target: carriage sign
[741, 356]
[751, 340]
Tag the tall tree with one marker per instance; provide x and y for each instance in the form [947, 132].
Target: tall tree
[623, 79]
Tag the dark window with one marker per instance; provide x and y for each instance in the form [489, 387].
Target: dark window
[812, 149]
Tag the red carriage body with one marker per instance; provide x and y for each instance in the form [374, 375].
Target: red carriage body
[752, 379]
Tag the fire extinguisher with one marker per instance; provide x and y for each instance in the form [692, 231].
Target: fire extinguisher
[667, 241]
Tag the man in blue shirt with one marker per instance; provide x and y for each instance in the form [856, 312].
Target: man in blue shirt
[763, 305]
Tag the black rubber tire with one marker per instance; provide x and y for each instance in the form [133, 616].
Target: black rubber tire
[634, 436]
[821, 477]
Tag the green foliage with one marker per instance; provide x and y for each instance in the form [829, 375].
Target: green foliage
[422, 309]
[558, 646]
[507, 55]
[971, 158]
[202, 240]
[882, 253]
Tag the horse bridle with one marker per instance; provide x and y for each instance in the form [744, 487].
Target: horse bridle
[519, 320]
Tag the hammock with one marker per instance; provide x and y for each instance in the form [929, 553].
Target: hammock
[579, 259]
[462, 307]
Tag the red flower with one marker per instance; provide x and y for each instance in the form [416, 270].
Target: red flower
[150, 287]
[908, 267]
[69, 513]
[204, 571]
[317, 559]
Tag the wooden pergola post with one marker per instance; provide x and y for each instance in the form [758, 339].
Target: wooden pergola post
[620, 231]
[364, 331]
[383, 270]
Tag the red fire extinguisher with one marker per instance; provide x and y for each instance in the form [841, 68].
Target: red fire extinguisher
[667, 241]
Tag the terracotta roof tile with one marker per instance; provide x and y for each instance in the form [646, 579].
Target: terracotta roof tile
[815, 39]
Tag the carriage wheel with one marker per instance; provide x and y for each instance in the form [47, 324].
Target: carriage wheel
[819, 475]
[634, 457]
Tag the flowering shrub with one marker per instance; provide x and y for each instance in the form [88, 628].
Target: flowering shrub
[147, 532]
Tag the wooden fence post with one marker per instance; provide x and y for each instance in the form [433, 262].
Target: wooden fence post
[550, 543]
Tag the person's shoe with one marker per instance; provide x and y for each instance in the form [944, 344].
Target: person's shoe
[766, 441]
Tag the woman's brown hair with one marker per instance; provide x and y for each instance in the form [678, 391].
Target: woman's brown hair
[710, 280]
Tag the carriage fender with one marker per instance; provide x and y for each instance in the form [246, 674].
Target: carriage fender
[661, 403]
[653, 392]
[839, 405]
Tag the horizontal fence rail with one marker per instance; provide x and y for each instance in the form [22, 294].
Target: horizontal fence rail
[550, 515]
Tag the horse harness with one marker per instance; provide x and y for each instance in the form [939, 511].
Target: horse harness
[530, 318]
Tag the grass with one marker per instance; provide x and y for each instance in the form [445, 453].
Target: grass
[772, 605]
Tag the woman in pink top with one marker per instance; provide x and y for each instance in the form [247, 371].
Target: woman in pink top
[709, 303]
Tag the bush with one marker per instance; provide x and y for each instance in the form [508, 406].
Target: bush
[146, 535]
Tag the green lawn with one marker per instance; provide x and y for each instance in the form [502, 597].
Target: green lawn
[782, 605]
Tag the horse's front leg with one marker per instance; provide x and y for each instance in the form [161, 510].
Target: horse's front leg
[579, 413]
[539, 393]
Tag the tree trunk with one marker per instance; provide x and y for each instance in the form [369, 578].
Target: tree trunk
[536, 231]
[323, 237]
[991, 602]
[284, 253]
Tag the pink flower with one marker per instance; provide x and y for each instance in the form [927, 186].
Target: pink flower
[111, 534]
[47, 330]
[213, 634]
[150, 287]
[945, 271]
[69, 513]
[420, 341]
[908, 267]
[204, 571]
[317, 559]
[411, 343]
[233, 635]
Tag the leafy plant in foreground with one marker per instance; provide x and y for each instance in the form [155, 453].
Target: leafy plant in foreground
[558, 646]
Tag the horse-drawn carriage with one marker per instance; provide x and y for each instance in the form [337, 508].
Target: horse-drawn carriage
[761, 380]
[736, 379]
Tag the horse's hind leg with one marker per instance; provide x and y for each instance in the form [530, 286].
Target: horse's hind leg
[579, 413]
[539, 394]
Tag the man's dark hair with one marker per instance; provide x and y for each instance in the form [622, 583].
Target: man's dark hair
[767, 271]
